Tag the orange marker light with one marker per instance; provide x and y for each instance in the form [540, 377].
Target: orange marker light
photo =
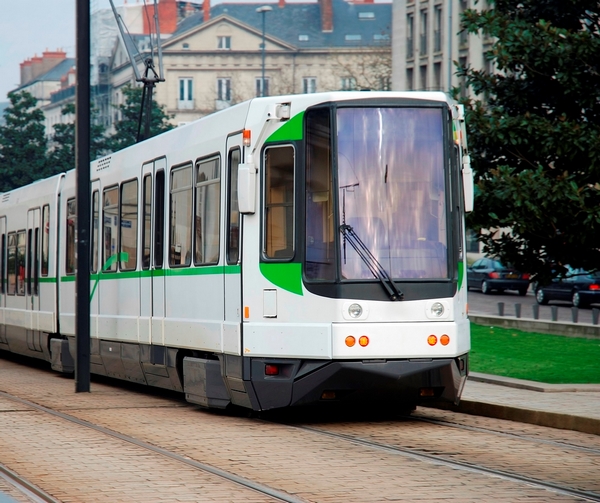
[363, 340]
[350, 341]
[246, 312]
[432, 340]
[445, 340]
[246, 135]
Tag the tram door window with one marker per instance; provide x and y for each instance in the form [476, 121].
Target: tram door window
[12, 264]
[146, 221]
[279, 203]
[3, 265]
[233, 222]
[45, 240]
[94, 237]
[180, 244]
[21, 248]
[128, 227]
[71, 228]
[159, 218]
[36, 261]
[110, 227]
[30, 261]
[208, 211]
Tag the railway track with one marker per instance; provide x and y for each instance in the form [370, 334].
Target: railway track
[22, 486]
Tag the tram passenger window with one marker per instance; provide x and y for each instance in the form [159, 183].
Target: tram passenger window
[208, 205]
[94, 236]
[36, 261]
[29, 267]
[128, 228]
[180, 243]
[159, 218]
[279, 203]
[110, 228]
[12, 264]
[45, 240]
[21, 249]
[233, 238]
[71, 229]
[146, 221]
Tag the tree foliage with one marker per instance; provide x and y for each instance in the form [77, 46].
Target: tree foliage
[126, 130]
[22, 142]
[534, 132]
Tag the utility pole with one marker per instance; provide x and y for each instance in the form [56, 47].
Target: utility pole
[263, 10]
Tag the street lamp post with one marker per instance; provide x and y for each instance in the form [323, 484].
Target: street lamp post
[263, 10]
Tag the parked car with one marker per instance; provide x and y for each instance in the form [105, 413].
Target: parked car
[489, 274]
[577, 286]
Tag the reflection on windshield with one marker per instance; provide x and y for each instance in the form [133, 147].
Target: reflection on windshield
[391, 190]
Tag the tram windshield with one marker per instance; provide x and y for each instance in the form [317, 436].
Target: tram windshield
[386, 205]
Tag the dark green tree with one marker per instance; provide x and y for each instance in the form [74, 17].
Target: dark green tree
[126, 130]
[534, 132]
[62, 154]
[22, 142]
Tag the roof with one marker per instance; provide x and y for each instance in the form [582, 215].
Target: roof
[299, 24]
[52, 75]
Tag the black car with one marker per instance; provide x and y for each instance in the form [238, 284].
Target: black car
[577, 286]
[490, 274]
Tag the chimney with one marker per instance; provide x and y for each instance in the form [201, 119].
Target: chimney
[52, 58]
[36, 67]
[326, 15]
[281, 4]
[167, 17]
[206, 10]
[25, 71]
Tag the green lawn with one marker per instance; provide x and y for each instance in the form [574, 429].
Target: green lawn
[536, 357]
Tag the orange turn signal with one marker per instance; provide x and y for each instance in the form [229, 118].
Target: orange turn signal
[445, 340]
[432, 340]
[363, 340]
[350, 341]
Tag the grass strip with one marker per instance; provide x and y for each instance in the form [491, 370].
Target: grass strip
[544, 358]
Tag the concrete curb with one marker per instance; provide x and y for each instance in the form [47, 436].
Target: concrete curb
[585, 330]
[531, 416]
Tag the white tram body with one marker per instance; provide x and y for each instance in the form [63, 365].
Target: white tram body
[285, 251]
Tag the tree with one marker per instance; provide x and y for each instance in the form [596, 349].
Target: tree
[62, 156]
[534, 131]
[22, 142]
[126, 130]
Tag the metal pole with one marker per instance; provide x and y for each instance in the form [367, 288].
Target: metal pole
[82, 164]
[450, 45]
[262, 84]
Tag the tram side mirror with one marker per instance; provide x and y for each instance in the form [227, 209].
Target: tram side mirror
[247, 187]
[468, 189]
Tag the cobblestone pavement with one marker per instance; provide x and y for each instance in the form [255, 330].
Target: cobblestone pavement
[76, 464]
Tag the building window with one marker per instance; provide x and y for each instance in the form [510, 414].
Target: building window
[186, 94]
[180, 243]
[409, 79]
[410, 34]
[309, 85]
[366, 16]
[208, 204]
[437, 76]
[258, 86]
[462, 62]
[224, 89]
[437, 31]
[353, 38]
[423, 77]
[224, 42]
[348, 84]
[186, 47]
[463, 36]
[423, 33]
[303, 38]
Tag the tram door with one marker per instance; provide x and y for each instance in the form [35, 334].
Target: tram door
[3, 265]
[152, 287]
[31, 271]
[233, 251]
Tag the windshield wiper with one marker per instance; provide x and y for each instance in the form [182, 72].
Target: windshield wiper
[371, 262]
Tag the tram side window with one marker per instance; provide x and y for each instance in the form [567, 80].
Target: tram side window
[129, 222]
[21, 249]
[279, 202]
[36, 261]
[208, 204]
[94, 236]
[3, 265]
[159, 218]
[320, 233]
[12, 264]
[146, 221]
[180, 243]
[45, 240]
[110, 227]
[71, 229]
[29, 268]
[233, 238]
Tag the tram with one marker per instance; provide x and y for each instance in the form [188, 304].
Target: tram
[283, 252]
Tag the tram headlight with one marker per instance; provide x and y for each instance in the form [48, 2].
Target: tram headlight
[437, 309]
[355, 310]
